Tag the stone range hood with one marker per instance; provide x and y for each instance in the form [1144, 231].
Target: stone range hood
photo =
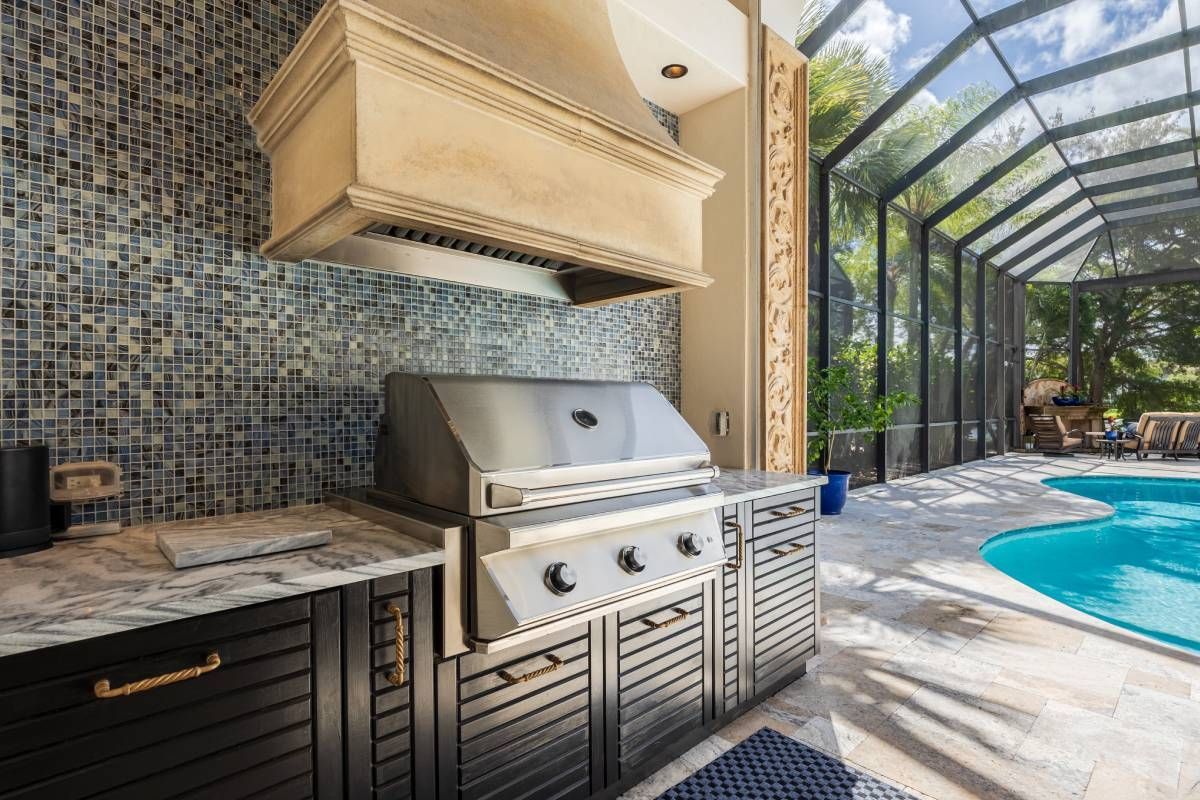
[497, 143]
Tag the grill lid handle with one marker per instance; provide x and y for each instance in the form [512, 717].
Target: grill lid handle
[502, 496]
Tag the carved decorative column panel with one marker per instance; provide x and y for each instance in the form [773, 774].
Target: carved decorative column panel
[785, 254]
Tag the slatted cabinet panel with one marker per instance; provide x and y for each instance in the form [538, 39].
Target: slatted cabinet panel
[729, 659]
[783, 512]
[783, 600]
[523, 726]
[244, 729]
[390, 716]
[664, 682]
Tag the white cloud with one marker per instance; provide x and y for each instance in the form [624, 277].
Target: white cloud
[923, 56]
[1148, 80]
[924, 99]
[1088, 28]
[880, 28]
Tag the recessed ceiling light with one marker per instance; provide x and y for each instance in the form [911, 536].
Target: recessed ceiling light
[673, 71]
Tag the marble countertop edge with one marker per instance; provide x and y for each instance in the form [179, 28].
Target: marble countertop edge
[105, 623]
[742, 485]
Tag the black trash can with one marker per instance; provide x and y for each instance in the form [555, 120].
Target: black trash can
[24, 499]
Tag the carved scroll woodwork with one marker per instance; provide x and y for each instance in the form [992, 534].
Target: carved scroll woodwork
[785, 254]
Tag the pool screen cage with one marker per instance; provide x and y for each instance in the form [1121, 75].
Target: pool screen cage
[998, 152]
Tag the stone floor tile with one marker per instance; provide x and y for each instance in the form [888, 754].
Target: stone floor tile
[1161, 713]
[949, 769]
[1064, 676]
[1086, 736]
[751, 722]
[952, 715]
[950, 616]
[1018, 699]
[1112, 782]
[926, 661]
[706, 751]
[1021, 630]
[1131, 651]
[1157, 682]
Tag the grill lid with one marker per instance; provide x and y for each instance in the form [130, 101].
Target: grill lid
[458, 441]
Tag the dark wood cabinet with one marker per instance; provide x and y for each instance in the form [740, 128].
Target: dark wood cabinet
[341, 693]
[523, 722]
[389, 687]
[245, 723]
[664, 674]
[781, 590]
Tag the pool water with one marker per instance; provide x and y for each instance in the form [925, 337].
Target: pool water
[1139, 569]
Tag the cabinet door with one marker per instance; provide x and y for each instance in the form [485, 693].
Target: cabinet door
[783, 600]
[665, 669]
[246, 724]
[521, 723]
[731, 627]
[389, 711]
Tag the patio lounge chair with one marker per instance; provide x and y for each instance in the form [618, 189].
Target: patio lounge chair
[1188, 441]
[1156, 434]
[1053, 436]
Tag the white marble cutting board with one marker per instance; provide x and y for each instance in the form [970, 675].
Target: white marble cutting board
[210, 544]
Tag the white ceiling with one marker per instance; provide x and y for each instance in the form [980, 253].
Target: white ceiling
[708, 36]
[783, 16]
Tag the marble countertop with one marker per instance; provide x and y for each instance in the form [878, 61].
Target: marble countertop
[83, 588]
[741, 485]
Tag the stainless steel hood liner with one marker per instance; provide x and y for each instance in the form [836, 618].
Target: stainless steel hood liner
[508, 123]
[481, 445]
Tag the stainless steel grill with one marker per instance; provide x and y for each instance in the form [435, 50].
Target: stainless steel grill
[558, 500]
[481, 445]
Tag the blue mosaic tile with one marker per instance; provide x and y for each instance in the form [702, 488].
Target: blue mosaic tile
[139, 324]
[770, 766]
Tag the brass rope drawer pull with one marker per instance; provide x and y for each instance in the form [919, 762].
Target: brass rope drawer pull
[736, 564]
[793, 511]
[103, 689]
[794, 548]
[680, 616]
[512, 680]
[396, 678]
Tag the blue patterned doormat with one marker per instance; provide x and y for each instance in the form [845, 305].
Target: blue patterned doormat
[770, 766]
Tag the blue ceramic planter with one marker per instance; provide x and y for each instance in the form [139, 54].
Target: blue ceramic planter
[833, 494]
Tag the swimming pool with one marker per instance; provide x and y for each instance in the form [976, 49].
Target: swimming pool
[1139, 569]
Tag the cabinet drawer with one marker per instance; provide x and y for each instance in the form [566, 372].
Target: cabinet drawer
[661, 663]
[243, 729]
[527, 737]
[784, 582]
[783, 511]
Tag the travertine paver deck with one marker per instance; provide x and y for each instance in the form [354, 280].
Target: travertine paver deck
[943, 675]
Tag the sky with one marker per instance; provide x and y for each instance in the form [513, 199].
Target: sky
[909, 32]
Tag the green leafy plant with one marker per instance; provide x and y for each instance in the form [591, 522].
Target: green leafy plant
[836, 407]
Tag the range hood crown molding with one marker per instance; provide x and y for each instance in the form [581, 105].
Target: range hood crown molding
[373, 120]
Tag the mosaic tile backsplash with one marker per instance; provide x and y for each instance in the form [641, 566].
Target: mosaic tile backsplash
[139, 324]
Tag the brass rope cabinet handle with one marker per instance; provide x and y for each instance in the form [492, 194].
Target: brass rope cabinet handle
[740, 556]
[103, 689]
[512, 680]
[680, 616]
[793, 511]
[794, 548]
[396, 678]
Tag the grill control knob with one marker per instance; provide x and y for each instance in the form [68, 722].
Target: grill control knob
[691, 544]
[632, 559]
[560, 578]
